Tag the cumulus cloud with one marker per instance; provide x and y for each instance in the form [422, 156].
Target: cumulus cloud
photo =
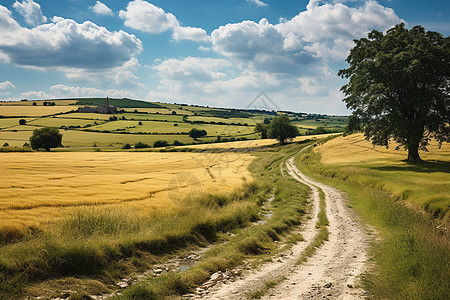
[258, 2]
[30, 11]
[66, 44]
[190, 33]
[322, 32]
[101, 9]
[35, 95]
[7, 23]
[6, 85]
[61, 90]
[193, 69]
[146, 17]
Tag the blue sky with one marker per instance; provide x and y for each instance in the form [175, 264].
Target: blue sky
[217, 53]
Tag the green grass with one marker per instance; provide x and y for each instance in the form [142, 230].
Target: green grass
[411, 261]
[58, 122]
[322, 234]
[258, 293]
[8, 122]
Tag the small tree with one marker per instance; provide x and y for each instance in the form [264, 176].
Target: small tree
[22, 122]
[160, 143]
[126, 146]
[281, 129]
[399, 87]
[5, 145]
[46, 138]
[196, 133]
[140, 145]
[177, 143]
[261, 128]
[34, 103]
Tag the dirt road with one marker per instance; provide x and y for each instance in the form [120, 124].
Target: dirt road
[331, 273]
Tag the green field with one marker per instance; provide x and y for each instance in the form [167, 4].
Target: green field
[140, 121]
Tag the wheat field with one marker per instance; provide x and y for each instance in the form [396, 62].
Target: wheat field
[33, 111]
[424, 185]
[356, 149]
[38, 189]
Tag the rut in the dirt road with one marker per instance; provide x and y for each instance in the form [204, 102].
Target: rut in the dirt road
[331, 273]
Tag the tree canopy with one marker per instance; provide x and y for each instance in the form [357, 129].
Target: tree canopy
[399, 87]
[196, 133]
[281, 129]
[261, 128]
[46, 138]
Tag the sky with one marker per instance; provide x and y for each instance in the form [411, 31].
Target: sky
[204, 52]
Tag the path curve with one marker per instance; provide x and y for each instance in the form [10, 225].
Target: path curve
[332, 272]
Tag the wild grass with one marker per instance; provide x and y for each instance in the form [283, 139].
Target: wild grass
[255, 242]
[322, 234]
[411, 257]
[258, 293]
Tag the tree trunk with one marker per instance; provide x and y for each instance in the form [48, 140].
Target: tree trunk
[413, 153]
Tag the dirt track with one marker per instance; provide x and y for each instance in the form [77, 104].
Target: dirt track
[331, 273]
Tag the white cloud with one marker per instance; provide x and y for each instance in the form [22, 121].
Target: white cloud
[328, 30]
[7, 23]
[101, 9]
[190, 33]
[65, 44]
[258, 2]
[35, 95]
[146, 17]
[321, 33]
[62, 90]
[193, 69]
[31, 11]
[6, 85]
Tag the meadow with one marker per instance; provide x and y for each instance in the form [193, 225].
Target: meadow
[407, 205]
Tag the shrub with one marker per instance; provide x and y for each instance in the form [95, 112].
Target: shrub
[126, 146]
[160, 143]
[5, 145]
[22, 121]
[140, 145]
[113, 118]
[196, 133]
[178, 143]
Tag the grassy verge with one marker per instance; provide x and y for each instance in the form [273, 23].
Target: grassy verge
[257, 294]
[412, 259]
[322, 234]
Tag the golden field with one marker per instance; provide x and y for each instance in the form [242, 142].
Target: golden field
[253, 143]
[424, 185]
[33, 111]
[355, 149]
[39, 188]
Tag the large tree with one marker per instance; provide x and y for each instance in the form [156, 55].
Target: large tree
[399, 87]
[281, 129]
[46, 138]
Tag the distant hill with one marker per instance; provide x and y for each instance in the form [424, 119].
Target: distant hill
[122, 103]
